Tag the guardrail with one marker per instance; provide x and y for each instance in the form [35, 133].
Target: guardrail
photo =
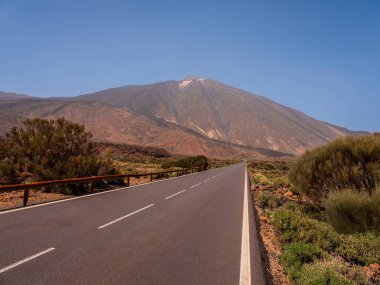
[34, 185]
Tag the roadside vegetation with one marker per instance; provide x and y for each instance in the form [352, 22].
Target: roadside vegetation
[187, 162]
[320, 215]
[43, 150]
[49, 150]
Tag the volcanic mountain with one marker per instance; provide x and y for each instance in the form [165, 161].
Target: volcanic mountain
[191, 116]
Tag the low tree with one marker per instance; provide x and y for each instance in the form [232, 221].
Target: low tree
[49, 149]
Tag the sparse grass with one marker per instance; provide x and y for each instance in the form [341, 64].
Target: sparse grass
[266, 199]
[353, 212]
[362, 248]
[313, 251]
[296, 255]
[330, 271]
[260, 179]
[269, 173]
[296, 227]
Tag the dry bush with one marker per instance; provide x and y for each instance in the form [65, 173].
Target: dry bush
[349, 163]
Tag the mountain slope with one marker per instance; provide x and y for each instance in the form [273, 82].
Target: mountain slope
[192, 116]
[118, 125]
[224, 113]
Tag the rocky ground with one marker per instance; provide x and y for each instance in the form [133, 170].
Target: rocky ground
[271, 242]
[14, 199]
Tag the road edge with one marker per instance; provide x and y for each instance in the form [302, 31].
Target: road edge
[259, 273]
[245, 251]
[7, 211]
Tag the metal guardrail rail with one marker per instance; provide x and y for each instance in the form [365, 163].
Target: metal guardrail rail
[26, 187]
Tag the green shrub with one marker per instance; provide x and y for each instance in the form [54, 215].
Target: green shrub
[363, 249]
[349, 163]
[349, 211]
[332, 272]
[188, 162]
[267, 213]
[296, 227]
[49, 150]
[260, 179]
[8, 172]
[292, 206]
[295, 255]
[308, 210]
[266, 199]
[268, 166]
[169, 164]
[281, 181]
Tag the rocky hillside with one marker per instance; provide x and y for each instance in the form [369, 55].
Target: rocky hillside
[192, 116]
[221, 112]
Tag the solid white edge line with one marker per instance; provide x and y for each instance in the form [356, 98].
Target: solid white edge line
[245, 258]
[25, 260]
[123, 217]
[207, 180]
[99, 193]
[195, 185]
[175, 194]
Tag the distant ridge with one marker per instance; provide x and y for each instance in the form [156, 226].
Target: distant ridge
[12, 96]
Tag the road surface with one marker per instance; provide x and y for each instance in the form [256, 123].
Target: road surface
[194, 229]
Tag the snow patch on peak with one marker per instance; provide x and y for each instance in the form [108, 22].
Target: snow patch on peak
[184, 83]
[188, 80]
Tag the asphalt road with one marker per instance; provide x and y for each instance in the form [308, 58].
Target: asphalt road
[195, 229]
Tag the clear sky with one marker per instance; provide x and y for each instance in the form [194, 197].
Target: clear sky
[321, 57]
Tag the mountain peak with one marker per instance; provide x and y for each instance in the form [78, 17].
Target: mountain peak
[191, 77]
[185, 82]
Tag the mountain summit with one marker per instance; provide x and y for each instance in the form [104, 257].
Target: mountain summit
[191, 116]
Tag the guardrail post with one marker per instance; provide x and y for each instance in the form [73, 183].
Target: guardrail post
[26, 197]
[151, 177]
[128, 181]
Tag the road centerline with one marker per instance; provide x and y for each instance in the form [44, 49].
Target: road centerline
[123, 217]
[25, 260]
[196, 185]
[2, 212]
[174, 194]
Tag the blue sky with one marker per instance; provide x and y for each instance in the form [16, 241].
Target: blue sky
[321, 57]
